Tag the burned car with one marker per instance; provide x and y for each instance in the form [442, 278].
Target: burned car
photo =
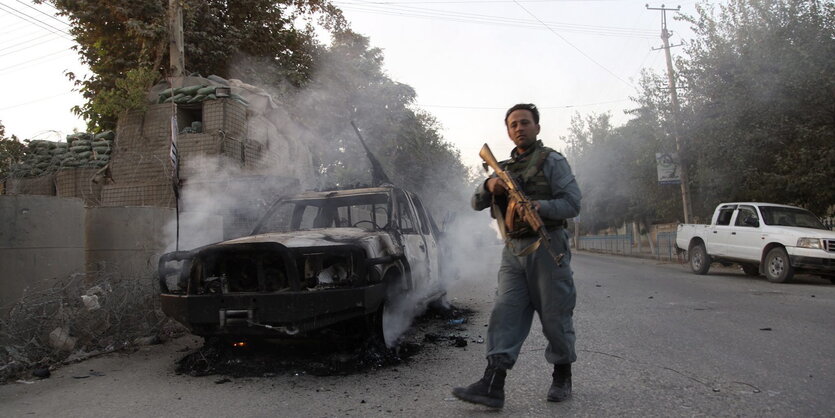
[314, 260]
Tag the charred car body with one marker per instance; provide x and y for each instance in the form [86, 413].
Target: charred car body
[314, 260]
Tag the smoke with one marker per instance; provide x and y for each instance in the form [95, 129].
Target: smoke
[469, 253]
[306, 142]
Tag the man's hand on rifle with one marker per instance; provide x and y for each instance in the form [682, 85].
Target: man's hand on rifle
[496, 186]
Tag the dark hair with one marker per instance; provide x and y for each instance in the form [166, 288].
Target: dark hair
[523, 106]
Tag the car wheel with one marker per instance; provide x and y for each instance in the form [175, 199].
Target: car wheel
[751, 269]
[382, 325]
[778, 268]
[828, 277]
[699, 260]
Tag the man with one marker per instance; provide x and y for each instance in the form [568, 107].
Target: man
[531, 282]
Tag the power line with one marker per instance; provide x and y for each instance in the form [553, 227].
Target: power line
[36, 101]
[52, 55]
[44, 13]
[501, 21]
[33, 20]
[457, 16]
[572, 45]
[484, 1]
[505, 107]
[26, 44]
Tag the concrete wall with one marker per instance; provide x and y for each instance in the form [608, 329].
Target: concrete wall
[41, 242]
[127, 241]
[44, 239]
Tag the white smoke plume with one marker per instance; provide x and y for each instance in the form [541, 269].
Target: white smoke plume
[222, 201]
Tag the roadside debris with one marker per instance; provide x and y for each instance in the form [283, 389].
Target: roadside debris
[41, 372]
[60, 339]
[332, 352]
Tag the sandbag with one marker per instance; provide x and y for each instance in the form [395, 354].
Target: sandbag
[107, 135]
[190, 90]
[198, 98]
[206, 90]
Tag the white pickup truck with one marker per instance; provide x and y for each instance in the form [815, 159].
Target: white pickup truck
[763, 238]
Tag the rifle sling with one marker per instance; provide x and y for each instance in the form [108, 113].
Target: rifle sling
[497, 213]
[525, 251]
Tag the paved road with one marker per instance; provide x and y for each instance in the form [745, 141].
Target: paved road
[653, 340]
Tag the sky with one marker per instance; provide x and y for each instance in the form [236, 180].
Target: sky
[468, 61]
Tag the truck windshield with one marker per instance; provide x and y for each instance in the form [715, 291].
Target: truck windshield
[368, 211]
[776, 215]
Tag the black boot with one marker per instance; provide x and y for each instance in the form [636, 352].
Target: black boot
[489, 391]
[561, 386]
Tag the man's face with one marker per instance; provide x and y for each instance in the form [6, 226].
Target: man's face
[521, 129]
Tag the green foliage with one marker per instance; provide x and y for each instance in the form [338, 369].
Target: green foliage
[350, 85]
[129, 93]
[615, 168]
[11, 151]
[761, 113]
[117, 36]
[757, 119]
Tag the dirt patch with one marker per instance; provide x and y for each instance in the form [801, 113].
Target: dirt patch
[328, 353]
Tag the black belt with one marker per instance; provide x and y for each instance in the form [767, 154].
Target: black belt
[527, 232]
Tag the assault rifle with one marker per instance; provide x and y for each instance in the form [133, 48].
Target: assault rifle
[519, 205]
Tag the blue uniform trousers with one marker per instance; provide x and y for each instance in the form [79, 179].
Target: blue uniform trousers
[529, 284]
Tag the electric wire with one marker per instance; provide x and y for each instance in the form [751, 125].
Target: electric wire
[47, 57]
[26, 36]
[26, 44]
[10, 27]
[34, 21]
[36, 101]
[44, 13]
[465, 17]
[505, 107]
[487, 1]
[573, 46]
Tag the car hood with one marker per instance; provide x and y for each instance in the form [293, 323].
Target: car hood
[798, 232]
[376, 243]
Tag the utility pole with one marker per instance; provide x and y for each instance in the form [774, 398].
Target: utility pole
[680, 146]
[176, 48]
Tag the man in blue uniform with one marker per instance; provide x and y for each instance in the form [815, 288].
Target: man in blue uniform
[530, 281]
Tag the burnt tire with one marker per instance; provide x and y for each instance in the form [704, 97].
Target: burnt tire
[379, 327]
[778, 267]
[699, 260]
[751, 269]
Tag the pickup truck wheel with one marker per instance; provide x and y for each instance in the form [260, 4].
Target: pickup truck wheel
[699, 260]
[751, 269]
[380, 326]
[778, 268]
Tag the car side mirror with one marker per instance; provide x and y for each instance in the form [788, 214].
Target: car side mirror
[751, 221]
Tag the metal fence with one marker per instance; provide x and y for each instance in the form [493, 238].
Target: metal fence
[626, 244]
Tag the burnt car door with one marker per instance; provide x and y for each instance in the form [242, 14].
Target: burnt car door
[414, 247]
[428, 232]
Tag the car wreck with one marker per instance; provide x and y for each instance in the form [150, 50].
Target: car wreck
[313, 260]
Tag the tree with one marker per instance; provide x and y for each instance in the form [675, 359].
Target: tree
[11, 151]
[118, 36]
[350, 85]
[757, 119]
[760, 113]
[323, 87]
